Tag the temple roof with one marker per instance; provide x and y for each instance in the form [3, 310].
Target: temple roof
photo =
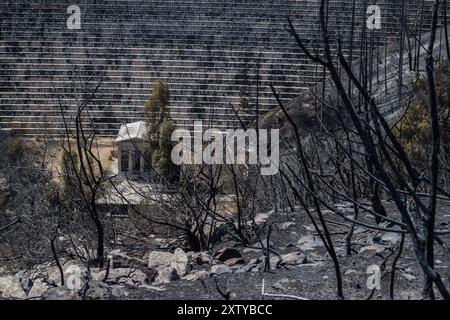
[132, 131]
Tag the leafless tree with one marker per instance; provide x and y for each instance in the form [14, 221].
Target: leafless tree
[371, 152]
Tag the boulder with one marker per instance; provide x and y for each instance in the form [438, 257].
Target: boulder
[159, 258]
[293, 259]
[53, 275]
[11, 288]
[27, 283]
[226, 254]
[38, 289]
[166, 275]
[75, 277]
[221, 269]
[181, 262]
[261, 218]
[274, 261]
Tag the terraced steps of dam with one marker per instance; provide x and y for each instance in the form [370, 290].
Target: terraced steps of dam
[212, 54]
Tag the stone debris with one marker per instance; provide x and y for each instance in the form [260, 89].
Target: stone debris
[293, 259]
[234, 261]
[219, 269]
[286, 225]
[408, 277]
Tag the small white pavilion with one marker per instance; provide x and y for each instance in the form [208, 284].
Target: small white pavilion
[130, 143]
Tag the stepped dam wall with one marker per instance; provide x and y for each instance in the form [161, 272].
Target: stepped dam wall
[212, 53]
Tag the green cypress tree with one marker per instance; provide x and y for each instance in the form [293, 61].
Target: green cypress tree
[159, 130]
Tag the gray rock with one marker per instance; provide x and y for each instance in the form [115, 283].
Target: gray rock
[181, 262]
[11, 288]
[293, 258]
[27, 283]
[221, 269]
[75, 275]
[286, 225]
[234, 261]
[122, 275]
[151, 288]
[38, 289]
[197, 275]
[274, 261]
[391, 237]
[408, 277]
[350, 271]
[261, 218]
[159, 258]
[166, 275]
[375, 247]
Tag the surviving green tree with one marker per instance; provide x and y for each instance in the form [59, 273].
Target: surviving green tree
[159, 130]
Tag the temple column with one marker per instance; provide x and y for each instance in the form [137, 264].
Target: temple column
[130, 164]
[142, 164]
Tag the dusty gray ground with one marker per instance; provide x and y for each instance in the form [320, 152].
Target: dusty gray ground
[315, 280]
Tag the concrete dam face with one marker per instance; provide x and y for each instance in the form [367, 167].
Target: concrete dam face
[212, 53]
